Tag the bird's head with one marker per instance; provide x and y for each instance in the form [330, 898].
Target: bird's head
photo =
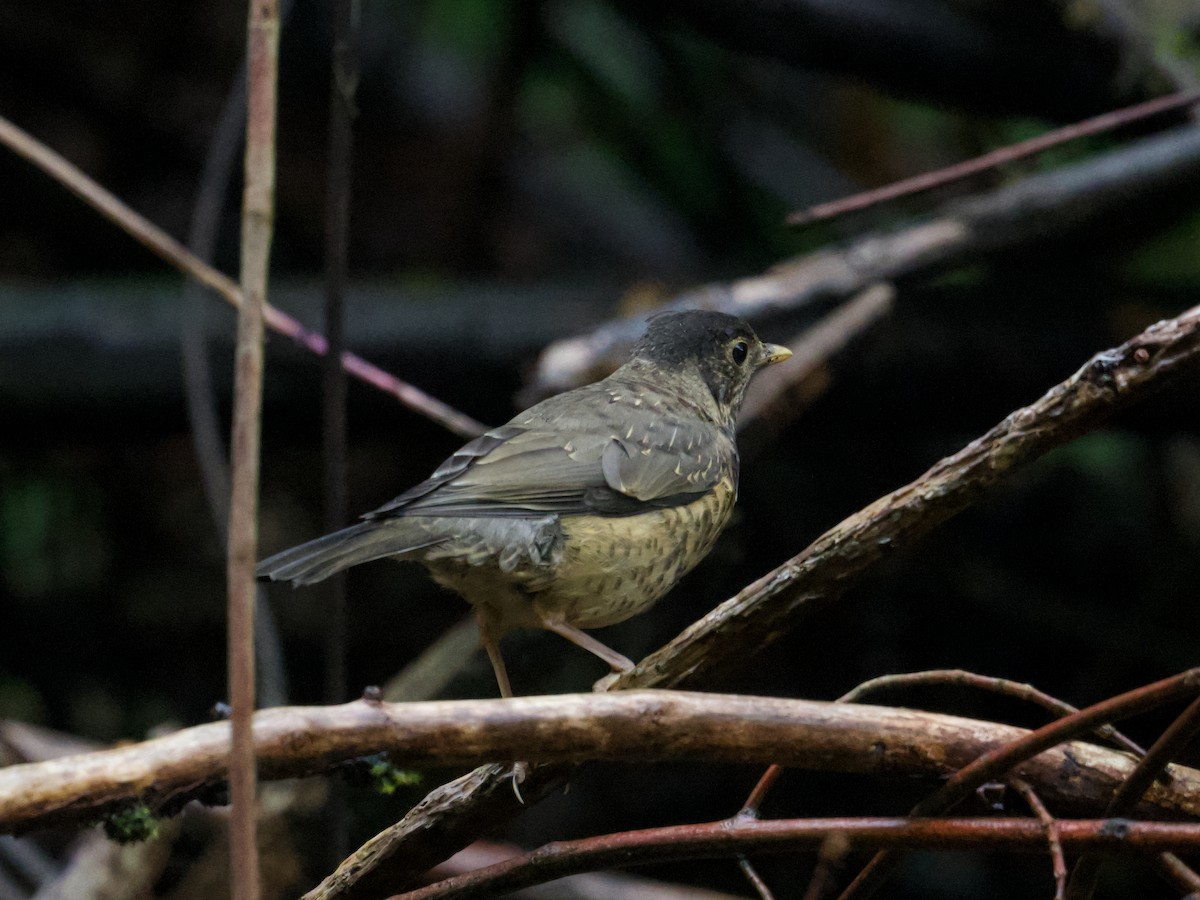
[721, 350]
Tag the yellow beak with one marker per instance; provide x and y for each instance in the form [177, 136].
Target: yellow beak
[774, 353]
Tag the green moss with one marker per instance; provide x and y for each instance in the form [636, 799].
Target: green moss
[131, 824]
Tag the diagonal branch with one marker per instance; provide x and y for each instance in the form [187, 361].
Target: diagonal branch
[174, 253]
[1053, 836]
[928, 180]
[1180, 733]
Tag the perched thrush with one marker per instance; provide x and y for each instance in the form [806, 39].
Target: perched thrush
[586, 508]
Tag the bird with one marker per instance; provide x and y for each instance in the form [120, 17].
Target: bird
[586, 508]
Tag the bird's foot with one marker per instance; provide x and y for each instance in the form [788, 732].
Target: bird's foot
[520, 772]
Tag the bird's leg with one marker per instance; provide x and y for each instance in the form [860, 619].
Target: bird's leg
[582, 639]
[490, 638]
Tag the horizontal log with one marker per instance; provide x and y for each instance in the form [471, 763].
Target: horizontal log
[624, 726]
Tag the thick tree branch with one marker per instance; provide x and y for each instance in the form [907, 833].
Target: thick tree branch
[625, 726]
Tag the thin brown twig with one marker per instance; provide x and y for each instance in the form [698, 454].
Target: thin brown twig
[829, 859]
[718, 839]
[258, 219]
[1173, 867]
[1178, 735]
[340, 168]
[928, 180]
[778, 397]
[756, 880]
[754, 802]
[944, 677]
[1058, 859]
[750, 810]
[1022, 691]
[171, 251]
[1179, 873]
[997, 762]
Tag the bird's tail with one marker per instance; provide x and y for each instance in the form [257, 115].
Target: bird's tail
[322, 557]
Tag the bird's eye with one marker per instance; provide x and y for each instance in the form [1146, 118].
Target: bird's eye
[739, 351]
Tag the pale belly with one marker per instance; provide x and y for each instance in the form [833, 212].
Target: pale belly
[610, 568]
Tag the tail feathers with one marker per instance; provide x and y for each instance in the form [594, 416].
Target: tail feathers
[322, 557]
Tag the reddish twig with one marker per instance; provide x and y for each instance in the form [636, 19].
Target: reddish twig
[737, 835]
[929, 180]
[754, 802]
[1180, 733]
[171, 251]
[750, 810]
[1029, 795]
[944, 677]
[996, 763]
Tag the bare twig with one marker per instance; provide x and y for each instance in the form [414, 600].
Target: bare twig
[206, 432]
[1000, 760]
[344, 85]
[830, 858]
[1179, 873]
[928, 180]
[258, 218]
[750, 810]
[1180, 733]
[343, 90]
[739, 835]
[754, 802]
[608, 885]
[1048, 821]
[985, 683]
[776, 397]
[626, 726]
[946, 677]
[170, 250]
[756, 880]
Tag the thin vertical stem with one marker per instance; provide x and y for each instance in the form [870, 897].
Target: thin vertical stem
[262, 55]
[337, 237]
[344, 85]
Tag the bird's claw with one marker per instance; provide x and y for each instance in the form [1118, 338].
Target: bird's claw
[520, 772]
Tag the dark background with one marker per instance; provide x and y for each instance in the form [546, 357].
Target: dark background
[522, 171]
